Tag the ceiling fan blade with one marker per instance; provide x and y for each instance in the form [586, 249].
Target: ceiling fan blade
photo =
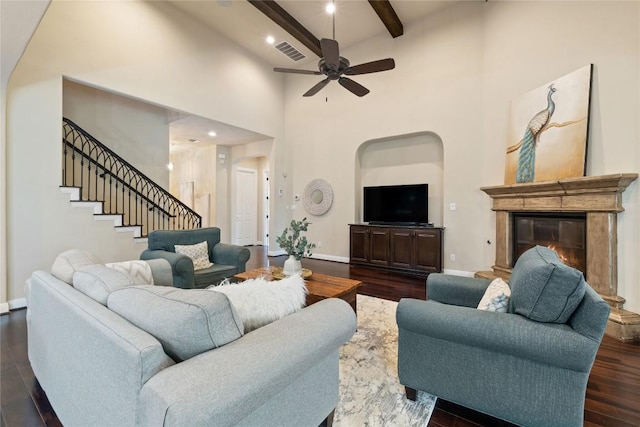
[352, 86]
[316, 88]
[331, 53]
[371, 67]
[293, 70]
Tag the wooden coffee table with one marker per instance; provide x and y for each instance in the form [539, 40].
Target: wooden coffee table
[320, 286]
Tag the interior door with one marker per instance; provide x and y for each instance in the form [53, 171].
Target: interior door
[246, 211]
[266, 210]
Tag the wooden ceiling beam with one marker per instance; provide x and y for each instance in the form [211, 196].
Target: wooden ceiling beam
[288, 23]
[388, 17]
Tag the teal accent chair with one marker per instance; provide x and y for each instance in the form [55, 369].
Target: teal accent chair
[528, 366]
[227, 259]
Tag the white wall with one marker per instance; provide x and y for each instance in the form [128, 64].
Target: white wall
[456, 74]
[138, 49]
[136, 131]
[409, 159]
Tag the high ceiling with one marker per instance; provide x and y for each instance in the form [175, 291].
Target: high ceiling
[243, 22]
[246, 24]
[356, 21]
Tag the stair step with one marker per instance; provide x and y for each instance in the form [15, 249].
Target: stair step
[73, 192]
[141, 240]
[97, 206]
[135, 229]
[117, 218]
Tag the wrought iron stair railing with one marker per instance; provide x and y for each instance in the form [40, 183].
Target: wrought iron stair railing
[103, 176]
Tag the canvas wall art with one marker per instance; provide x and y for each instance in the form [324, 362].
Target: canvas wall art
[548, 130]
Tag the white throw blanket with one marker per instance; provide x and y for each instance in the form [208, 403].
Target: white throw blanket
[259, 302]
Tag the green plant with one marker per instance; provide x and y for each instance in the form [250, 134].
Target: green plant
[292, 240]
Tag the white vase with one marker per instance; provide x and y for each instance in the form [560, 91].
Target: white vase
[291, 266]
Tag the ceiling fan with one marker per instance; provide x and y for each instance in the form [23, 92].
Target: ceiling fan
[335, 66]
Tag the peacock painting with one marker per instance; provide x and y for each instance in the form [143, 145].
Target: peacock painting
[549, 127]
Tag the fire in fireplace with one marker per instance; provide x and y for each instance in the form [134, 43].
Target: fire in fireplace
[563, 232]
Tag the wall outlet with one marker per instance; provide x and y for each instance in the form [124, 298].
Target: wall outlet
[452, 206]
[319, 245]
[452, 257]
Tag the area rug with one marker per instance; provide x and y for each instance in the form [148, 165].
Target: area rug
[370, 393]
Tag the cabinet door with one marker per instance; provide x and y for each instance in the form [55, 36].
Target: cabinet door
[359, 244]
[379, 246]
[401, 247]
[428, 250]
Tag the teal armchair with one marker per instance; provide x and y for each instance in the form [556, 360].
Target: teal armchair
[508, 365]
[227, 259]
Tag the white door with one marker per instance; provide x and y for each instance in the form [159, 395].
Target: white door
[265, 200]
[246, 212]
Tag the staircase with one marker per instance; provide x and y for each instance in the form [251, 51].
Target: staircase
[96, 177]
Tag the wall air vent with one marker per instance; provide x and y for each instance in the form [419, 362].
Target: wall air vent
[290, 51]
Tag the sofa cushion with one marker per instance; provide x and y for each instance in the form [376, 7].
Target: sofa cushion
[496, 297]
[186, 321]
[199, 254]
[260, 302]
[139, 271]
[67, 262]
[543, 288]
[98, 281]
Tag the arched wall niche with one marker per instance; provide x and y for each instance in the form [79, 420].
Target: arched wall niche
[404, 159]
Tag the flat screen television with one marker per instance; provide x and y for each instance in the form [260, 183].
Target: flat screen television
[396, 204]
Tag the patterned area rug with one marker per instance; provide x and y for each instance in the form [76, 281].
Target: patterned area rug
[370, 393]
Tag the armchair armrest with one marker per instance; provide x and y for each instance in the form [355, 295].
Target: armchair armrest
[181, 266]
[225, 385]
[224, 253]
[456, 290]
[552, 344]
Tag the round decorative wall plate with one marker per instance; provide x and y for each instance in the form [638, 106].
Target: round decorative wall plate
[317, 197]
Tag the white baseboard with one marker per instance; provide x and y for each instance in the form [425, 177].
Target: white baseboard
[335, 258]
[276, 253]
[17, 303]
[458, 272]
[4, 307]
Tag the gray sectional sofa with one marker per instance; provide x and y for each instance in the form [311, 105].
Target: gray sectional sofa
[99, 369]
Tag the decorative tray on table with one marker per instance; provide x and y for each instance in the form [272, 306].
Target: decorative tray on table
[276, 273]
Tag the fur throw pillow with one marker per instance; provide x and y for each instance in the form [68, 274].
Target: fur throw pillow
[259, 302]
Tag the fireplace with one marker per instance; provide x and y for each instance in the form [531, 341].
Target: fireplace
[565, 233]
[548, 213]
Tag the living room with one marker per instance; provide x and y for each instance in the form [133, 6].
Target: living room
[456, 74]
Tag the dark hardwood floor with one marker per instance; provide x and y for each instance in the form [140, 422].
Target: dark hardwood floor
[613, 392]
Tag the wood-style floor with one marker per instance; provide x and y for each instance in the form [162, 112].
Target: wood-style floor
[613, 392]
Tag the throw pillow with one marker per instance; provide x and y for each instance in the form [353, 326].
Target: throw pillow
[496, 297]
[187, 322]
[98, 281]
[139, 271]
[67, 262]
[199, 253]
[543, 288]
[260, 302]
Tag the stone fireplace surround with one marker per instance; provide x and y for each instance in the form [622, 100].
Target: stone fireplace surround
[600, 197]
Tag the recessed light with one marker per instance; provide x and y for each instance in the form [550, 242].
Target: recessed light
[271, 40]
[212, 133]
[330, 8]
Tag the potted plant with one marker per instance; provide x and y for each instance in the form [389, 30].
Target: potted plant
[295, 245]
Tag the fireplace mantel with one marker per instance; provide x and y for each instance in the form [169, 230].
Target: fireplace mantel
[600, 197]
[587, 194]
